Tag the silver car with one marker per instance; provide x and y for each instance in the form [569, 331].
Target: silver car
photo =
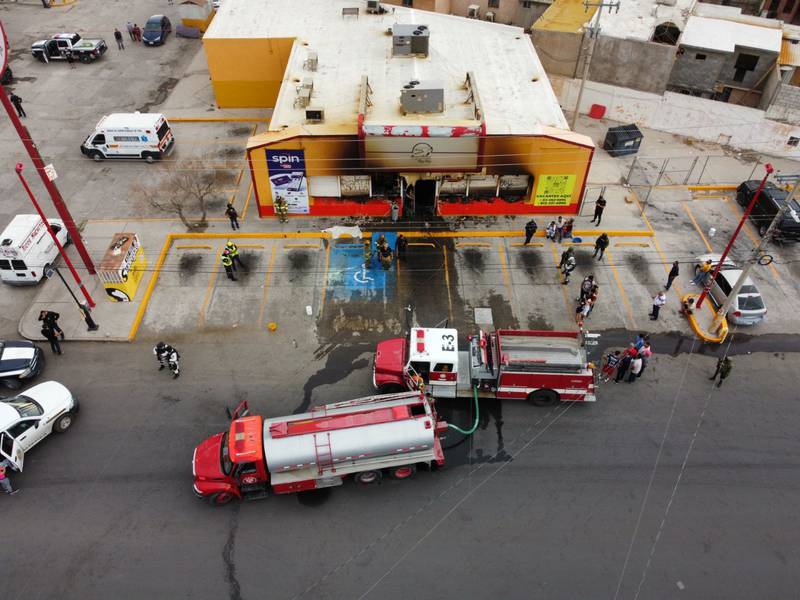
[748, 307]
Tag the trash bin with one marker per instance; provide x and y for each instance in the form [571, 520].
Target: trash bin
[623, 140]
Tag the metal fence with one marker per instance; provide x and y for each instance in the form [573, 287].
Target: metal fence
[648, 172]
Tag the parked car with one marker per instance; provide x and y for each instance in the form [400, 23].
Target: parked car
[19, 362]
[770, 201]
[748, 306]
[56, 48]
[156, 30]
[29, 417]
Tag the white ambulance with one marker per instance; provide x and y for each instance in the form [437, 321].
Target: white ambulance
[130, 135]
[26, 248]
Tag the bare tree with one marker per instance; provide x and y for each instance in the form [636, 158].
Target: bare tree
[184, 189]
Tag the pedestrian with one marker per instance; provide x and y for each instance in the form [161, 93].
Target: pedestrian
[50, 319]
[565, 255]
[129, 26]
[687, 307]
[599, 206]
[228, 264]
[5, 482]
[137, 33]
[168, 356]
[559, 229]
[231, 213]
[367, 253]
[568, 268]
[282, 209]
[395, 211]
[600, 245]
[579, 313]
[635, 369]
[638, 343]
[586, 287]
[587, 309]
[551, 231]
[673, 273]
[530, 231]
[70, 59]
[724, 367]
[233, 252]
[646, 352]
[659, 300]
[593, 298]
[385, 255]
[50, 336]
[612, 360]
[400, 247]
[702, 273]
[622, 367]
[567, 228]
[17, 102]
[118, 37]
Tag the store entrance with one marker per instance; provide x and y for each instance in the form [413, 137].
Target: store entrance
[425, 198]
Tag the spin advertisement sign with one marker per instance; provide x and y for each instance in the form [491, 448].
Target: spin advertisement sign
[287, 177]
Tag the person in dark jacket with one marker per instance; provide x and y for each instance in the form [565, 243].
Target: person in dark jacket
[530, 231]
[118, 37]
[50, 336]
[400, 247]
[231, 213]
[724, 368]
[600, 245]
[599, 206]
[623, 367]
[17, 102]
[50, 319]
[673, 273]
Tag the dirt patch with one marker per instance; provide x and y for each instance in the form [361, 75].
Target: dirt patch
[189, 264]
[502, 314]
[531, 263]
[637, 264]
[537, 321]
[161, 94]
[299, 260]
[240, 130]
[473, 259]
[231, 151]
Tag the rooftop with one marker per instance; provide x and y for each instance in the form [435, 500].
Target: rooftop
[724, 35]
[514, 91]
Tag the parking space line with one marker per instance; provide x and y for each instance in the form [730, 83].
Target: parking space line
[422, 244]
[201, 318]
[577, 243]
[247, 201]
[501, 249]
[479, 244]
[641, 211]
[625, 300]
[285, 246]
[530, 245]
[667, 266]
[564, 291]
[325, 276]
[696, 226]
[267, 280]
[640, 244]
[193, 246]
[251, 246]
[447, 282]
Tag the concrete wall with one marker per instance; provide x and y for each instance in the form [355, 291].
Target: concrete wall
[785, 104]
[749, 7]
[698, 118]
[695, 74]
[753, 78]
[558, 51]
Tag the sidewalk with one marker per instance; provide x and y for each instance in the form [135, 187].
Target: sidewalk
[702, 321]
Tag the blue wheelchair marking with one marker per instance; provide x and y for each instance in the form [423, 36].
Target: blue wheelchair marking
[347, 278]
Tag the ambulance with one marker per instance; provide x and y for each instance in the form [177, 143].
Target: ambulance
[26, 248]
[130, 135]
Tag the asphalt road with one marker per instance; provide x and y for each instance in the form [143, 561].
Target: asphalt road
[664, 488]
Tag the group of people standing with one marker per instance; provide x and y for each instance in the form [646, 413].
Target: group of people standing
[230, 259]
[587, 299]
[384, 251]
[631, 362]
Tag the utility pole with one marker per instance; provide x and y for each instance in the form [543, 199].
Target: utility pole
[594, 31]
[756, 257]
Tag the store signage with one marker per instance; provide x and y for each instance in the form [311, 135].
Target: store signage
[287, 178]
[554, 190]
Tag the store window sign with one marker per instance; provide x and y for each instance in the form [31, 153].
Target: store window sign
[287, 178]
[554, 190]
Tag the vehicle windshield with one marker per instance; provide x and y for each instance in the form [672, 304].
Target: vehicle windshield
[153, 25]
[750, 303]
[24, 406]
[162, 131]
[748, 289]
[225, 458]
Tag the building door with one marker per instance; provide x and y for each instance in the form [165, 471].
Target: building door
[425, 198]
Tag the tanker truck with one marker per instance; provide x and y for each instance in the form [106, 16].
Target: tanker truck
[367, 439]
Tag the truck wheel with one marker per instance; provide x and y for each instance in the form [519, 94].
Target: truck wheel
[96, 155]
[368, 477]
[85, 59]
[390, 388]
[543, 398]
[404, 472]
[220, 498]
[148, 157]
[63, 422]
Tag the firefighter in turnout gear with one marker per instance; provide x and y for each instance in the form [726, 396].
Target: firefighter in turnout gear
[168, 356]
[367, 253]
[386, 256]
[282, 209]
[227, 262]
[233, 252]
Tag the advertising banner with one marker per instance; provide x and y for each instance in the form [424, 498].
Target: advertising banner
[554, 190]
[287, 177]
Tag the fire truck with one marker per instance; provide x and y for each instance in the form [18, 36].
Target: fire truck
[367, 438]
[542, 367]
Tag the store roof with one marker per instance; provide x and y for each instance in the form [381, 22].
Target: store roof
[723, 35]
[638, 19]
[566, 16]
[514, 91]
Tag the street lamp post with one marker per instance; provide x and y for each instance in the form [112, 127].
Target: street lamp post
[82, 306]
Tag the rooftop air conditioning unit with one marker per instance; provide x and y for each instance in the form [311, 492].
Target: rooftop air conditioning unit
[315, 115]
[374, 7]
[312, 61]
[410, 40]
[490, 17]
[421, 97]
[474, 11]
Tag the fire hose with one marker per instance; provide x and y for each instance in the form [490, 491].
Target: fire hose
[472, 429]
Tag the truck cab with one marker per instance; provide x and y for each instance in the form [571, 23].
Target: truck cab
[428, 356]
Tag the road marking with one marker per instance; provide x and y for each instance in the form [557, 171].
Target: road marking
[251, 246]
[641, 212]
[422, 244]
[480, 244]
[201, 318]
[193, 246]
[150, 287]
[696, 226]
[267, 280]
[301, 246]
[625, 300]
[247, 201]
[563, 287]
[325, 277]
[531, 244]
[447, 282]
[577, 243]
[641, 244]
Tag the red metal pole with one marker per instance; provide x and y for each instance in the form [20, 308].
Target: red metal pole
[55, 238]
[749, 208]
[58, 201]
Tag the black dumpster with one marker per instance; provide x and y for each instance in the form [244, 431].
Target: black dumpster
[623, 140]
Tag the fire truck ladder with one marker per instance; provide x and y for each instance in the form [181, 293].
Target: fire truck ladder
[323, 452]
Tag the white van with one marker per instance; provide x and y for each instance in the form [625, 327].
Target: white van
[26, 248]
[130, 135]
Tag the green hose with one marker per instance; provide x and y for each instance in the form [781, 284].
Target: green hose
[477, 415]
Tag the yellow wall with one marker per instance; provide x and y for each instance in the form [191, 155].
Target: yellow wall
[247, 73]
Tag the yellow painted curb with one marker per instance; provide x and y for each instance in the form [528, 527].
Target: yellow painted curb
[216, 119]
[301, 246]
[523, 245]
[150, 287]
[641, 244]
[61, 3]
[188, 246]
[711, 188]
[251, 246]
[520, 233]
[480, 244]
[698, 330]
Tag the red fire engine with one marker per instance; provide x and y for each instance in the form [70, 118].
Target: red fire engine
[365, 438]
[542, 367]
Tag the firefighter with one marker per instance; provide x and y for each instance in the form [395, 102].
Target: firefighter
[419, 382]
[168, 356]
[233, 252]
[381, 242]
[569, 267]
[367, 253]
[282, 209]
[386, 256]
[227, 262]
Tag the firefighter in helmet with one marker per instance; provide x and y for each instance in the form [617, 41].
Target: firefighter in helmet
[227, 262]
[386, 256]
[282, 209]
[367, 253]
[233, 252]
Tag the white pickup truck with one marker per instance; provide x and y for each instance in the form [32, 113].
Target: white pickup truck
[56, 48]
[27, 418]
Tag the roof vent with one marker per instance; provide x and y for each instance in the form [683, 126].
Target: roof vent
[315, 115]
[312, 61]
[424, 97]
[410, 40]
